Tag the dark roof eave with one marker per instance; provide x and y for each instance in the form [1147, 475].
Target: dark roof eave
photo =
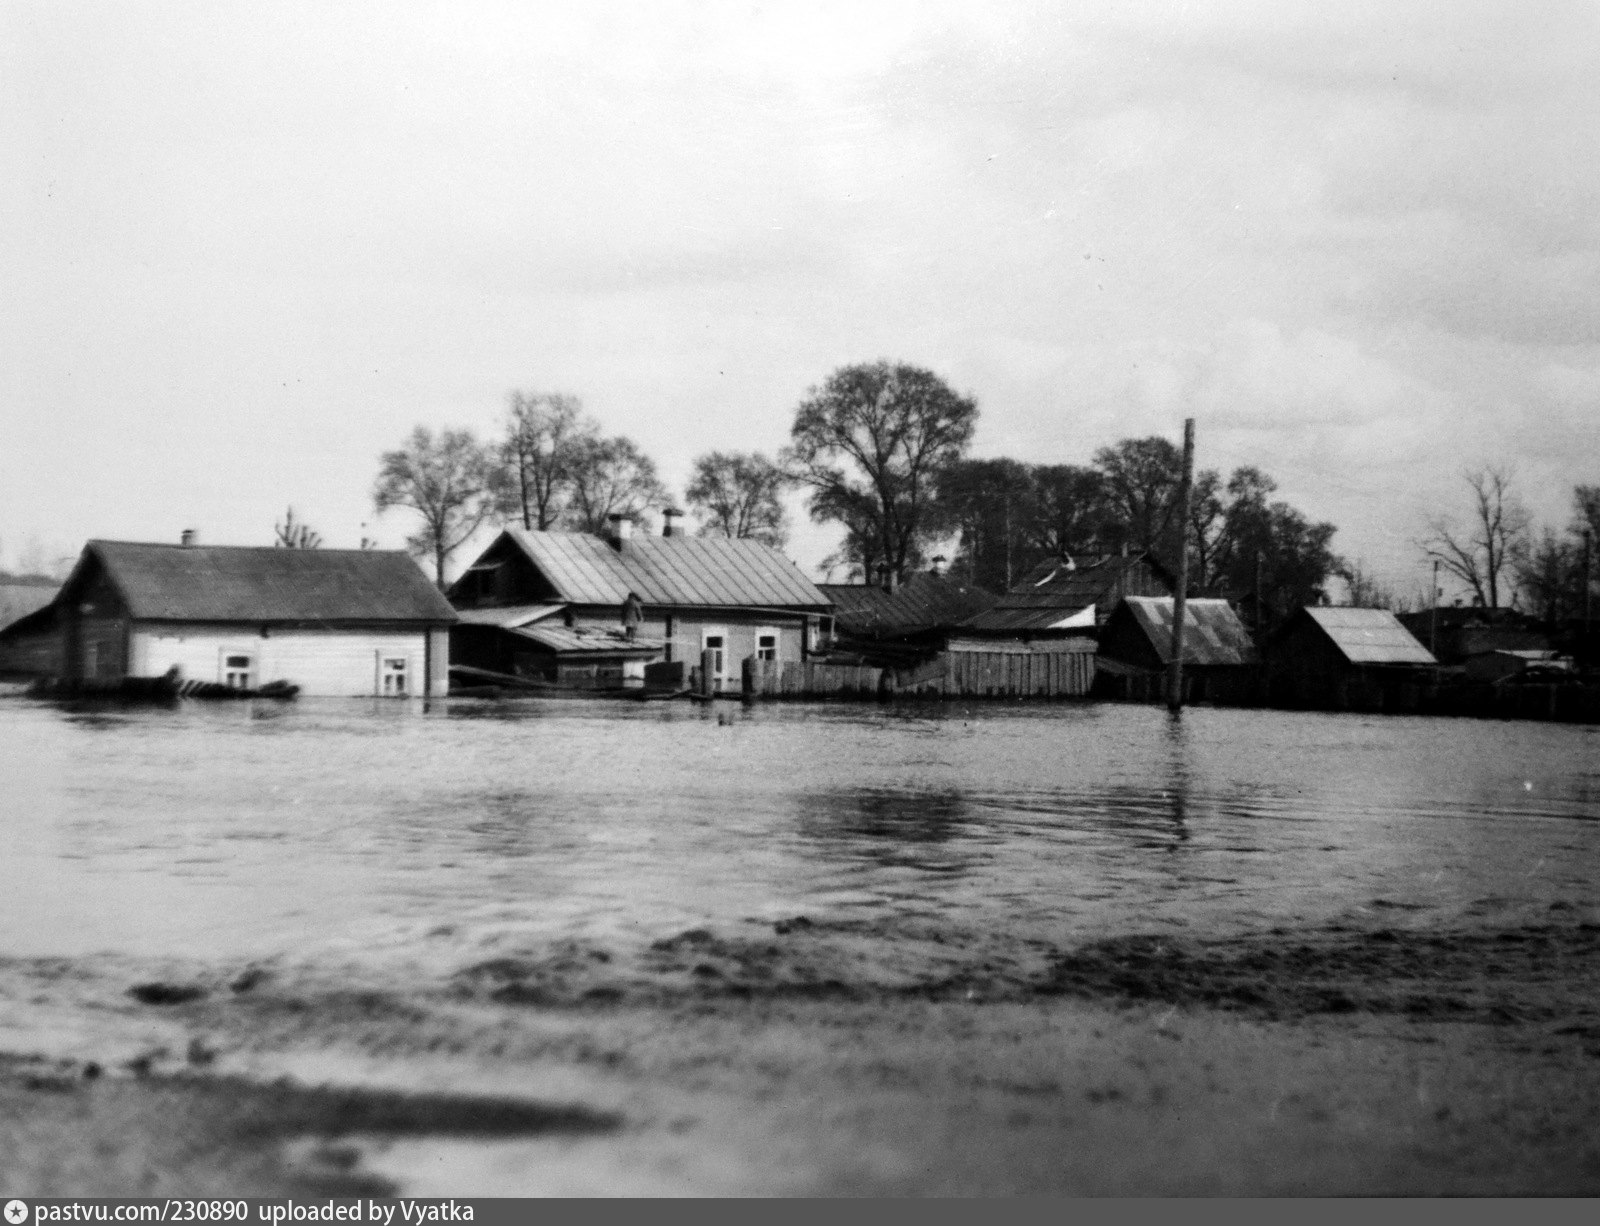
[306, 623]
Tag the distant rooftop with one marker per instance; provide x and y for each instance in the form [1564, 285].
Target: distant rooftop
[223, 583]
[923, 602]
[707, 571]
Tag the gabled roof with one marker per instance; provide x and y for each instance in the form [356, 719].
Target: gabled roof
[1213, 635]
[1054, 590]
[223, 583]
[923, 602]
[703, 571]
[1369, 636]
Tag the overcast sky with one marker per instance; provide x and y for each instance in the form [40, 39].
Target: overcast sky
[246, 247]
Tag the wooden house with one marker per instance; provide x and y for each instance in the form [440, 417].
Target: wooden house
[1135, 648]
[1070, 597]
[733, 598]
[1344, 659]
[339, 622]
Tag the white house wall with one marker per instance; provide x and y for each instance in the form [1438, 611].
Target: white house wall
[331, 663]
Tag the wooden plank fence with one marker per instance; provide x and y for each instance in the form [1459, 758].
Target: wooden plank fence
[954, 674]
[809, 679]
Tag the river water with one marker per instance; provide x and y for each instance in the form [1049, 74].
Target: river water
[368, 829]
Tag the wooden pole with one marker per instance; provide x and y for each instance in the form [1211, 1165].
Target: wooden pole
[1433, 617]
[1260, 621]
[1588, 603]
[1180, 599]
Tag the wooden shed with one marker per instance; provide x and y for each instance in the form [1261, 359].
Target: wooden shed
[1345, 659]
[342, 622]
[1220, 663]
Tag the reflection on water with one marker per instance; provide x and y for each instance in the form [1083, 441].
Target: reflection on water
[257, 828]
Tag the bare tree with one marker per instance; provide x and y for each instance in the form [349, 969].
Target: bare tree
[609, 477]
[292, 535]
[546, 434]
[1364, 589]
[738, 495]
[894, 428]
[446, 480]
[1482, 555]
[1550, 573]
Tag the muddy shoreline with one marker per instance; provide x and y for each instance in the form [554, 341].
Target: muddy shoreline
[813, 1057]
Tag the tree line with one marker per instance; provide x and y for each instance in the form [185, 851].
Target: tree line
[881, 451]
[1502, 558]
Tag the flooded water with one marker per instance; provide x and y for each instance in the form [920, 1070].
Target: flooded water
[370, 829]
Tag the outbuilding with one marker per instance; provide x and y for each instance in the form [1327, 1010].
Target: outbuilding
[1346, 659]
[340, 622]
[1219, 656]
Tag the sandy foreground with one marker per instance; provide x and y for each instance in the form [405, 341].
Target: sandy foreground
[808, 1058]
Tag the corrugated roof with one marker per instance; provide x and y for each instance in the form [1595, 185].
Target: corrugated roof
[1046, 618]
[509, 617]
[701, 571]
[588, 640]
[241, 583]
[1052, 591]
[924, 601]
[1213, 635]
[1370, 636]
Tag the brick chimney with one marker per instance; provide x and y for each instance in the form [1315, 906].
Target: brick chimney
[189, 537]
[668, 528]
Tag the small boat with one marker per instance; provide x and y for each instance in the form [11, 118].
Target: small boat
[165, 688]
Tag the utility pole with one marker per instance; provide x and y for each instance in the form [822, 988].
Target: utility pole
[1433, 615]
[1260, 617]
[1588, 601]
[1180, 599]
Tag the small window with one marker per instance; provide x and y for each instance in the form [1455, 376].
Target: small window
[392, 677]
[766, 644]
[236, 671]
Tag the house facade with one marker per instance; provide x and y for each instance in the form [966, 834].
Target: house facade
[333, 622]
[733, 598]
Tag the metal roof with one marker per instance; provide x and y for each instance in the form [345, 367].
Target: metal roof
[509, 617]
[222, 583]
[1369, 636]
[1052, 591]
[589, 641]
[703, 571]
[1048, 618]
[922, 602]
[1213, 635]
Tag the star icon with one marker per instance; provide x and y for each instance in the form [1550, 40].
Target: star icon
[16, 1212]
